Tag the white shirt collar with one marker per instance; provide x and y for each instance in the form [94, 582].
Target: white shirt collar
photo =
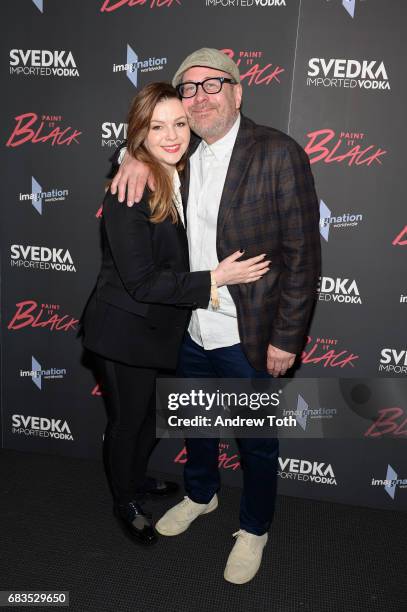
[224, 146]
[176, 183]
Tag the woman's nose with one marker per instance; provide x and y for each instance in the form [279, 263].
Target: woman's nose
[171, 134]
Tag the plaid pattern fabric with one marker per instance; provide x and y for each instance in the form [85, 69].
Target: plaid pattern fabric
[269, 205]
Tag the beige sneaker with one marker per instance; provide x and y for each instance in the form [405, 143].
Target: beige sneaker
[178, 518]
[245, 558]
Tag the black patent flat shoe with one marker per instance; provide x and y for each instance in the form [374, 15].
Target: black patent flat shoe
[135, 523]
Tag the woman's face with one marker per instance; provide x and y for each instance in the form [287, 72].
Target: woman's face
[169, 133]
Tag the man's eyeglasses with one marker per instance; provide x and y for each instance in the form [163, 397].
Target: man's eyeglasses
[210, 86]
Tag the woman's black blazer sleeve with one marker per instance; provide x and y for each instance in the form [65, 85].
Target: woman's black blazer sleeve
[129, 234]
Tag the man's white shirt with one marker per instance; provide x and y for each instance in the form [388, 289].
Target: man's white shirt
[176, 185]
[209, 165]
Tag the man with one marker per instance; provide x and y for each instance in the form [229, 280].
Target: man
[245, 187]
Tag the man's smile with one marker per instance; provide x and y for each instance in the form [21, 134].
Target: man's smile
[202, 111]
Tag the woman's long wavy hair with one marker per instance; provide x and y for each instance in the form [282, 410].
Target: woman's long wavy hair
[139, 119]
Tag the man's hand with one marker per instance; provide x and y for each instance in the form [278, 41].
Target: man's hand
[278, 361]
[131, 176]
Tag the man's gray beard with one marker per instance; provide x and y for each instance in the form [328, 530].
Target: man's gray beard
[217, 130]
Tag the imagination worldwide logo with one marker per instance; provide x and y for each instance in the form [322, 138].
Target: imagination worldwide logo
[327, 220]
[303, 413]
[391, 482]
[39, 4]
[39, 196]
[37, 373]
[134, 65]
[349, 6]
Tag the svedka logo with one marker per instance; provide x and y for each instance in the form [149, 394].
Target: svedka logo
[324, 351]
[30, 313]
[113, 134]
[393, 361]
[46, 130]
[38, 373]
[341, 149]
[342, 290]
[41, 258]
[112, 5]
[245, 3]
[307, 471]
[36, 62]
[133, 65]
[43, 427]
[38, 196]
[350, 73]
[254, 68]
[327, 220]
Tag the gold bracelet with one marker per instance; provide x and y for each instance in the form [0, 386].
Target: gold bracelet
[214, 293]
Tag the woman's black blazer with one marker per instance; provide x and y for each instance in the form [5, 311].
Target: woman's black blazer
[140, 307]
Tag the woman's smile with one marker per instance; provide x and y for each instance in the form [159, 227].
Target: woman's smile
[172, 148]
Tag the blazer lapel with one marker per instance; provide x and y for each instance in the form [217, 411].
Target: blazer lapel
[184, 188]
[239, 163]
[185, 176]
[182, 237]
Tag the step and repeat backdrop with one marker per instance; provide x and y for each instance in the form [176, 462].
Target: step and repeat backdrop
[331, 73]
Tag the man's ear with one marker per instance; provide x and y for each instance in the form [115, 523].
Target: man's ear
[238, 93]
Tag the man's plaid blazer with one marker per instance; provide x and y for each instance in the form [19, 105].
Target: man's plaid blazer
[269, 205]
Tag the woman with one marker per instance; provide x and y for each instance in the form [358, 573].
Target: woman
[136, 317]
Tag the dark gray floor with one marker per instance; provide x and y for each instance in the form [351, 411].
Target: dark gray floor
[57, 533]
